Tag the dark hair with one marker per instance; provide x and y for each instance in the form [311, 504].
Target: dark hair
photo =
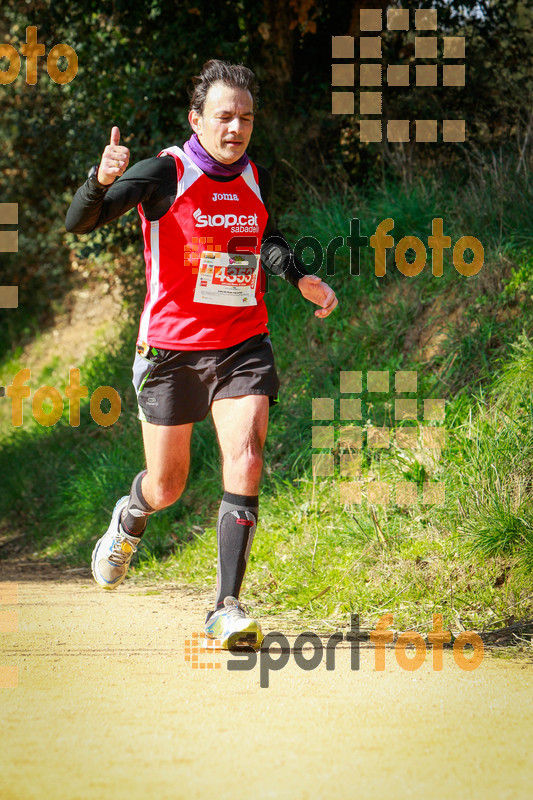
[214, 71]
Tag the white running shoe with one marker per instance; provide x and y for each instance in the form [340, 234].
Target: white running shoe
[230, 628]
[112, 553]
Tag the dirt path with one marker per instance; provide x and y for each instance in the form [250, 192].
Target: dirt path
[107, 706]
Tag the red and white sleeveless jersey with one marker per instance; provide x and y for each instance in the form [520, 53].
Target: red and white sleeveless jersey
[190, 302]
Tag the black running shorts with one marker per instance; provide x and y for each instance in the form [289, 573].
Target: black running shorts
[174, 387]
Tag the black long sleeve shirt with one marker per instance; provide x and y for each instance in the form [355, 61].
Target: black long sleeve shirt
[153, 183]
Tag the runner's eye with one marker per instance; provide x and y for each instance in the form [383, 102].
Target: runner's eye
[228, 119]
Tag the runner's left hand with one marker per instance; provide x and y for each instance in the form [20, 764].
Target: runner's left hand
[318, 292]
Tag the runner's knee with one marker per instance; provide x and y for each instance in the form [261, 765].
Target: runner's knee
[248, 462]
[164, 493]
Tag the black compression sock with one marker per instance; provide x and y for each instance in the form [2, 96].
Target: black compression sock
[135, 516]
[237, 520]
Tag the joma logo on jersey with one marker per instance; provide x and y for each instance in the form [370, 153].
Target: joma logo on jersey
[224, 220]
[217, 196]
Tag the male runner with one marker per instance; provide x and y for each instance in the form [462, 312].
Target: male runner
[203, 340]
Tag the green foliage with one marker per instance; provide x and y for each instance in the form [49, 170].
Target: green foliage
[135, 69]
[312, 553]
[60, 484]
[492, 451]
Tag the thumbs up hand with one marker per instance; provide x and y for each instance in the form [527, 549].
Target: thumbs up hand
[115, 159]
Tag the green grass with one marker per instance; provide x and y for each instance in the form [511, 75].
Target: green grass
[469, 559]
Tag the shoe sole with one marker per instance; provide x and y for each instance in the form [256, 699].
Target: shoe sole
[235, 641]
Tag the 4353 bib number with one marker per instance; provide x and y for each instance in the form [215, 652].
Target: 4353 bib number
[226, 279]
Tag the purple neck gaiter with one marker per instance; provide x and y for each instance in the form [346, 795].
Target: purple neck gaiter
[208, 164]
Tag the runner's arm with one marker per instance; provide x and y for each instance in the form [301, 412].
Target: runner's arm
[276, 253]
[148, 182]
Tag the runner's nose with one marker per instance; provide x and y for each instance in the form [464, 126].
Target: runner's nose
[235, 127]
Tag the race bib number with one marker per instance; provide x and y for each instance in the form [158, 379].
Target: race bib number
[227, 280]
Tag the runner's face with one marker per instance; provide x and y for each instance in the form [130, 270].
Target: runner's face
[226, 125]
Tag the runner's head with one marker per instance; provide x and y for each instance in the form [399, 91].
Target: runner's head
[222, 109]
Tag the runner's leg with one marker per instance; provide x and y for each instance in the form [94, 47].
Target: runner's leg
[167, 451]
[241, 424]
